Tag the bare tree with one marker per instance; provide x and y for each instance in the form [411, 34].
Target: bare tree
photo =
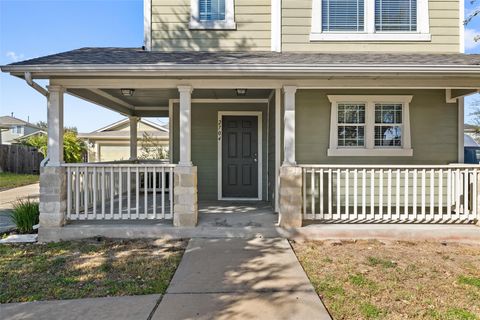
[151, 149]
[475, 12]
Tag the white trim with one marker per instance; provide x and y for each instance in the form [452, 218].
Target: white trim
[126, 120]
[461, 13]
[227, 24]
[170, 130]
[276, 26]
[278, 132]
[461, 129]
[422, 33]
[370, 37]
[225, 100]
[258, 114]
[370, 149]
[147, 24]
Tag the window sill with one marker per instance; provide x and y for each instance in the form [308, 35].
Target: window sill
[212, 25]
[370, 152]
[370, 37]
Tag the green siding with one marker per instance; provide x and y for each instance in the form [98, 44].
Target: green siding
[271, 151]
[204, 144]
[434, 128]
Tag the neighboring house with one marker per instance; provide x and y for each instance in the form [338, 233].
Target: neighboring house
[472, 150]
[337, 111]
[473, 131]
[12, 129]
[112, 142]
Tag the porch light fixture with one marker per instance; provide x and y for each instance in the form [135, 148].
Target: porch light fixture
[127, 92]
[241, 92]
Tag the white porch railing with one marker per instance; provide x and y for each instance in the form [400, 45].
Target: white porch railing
[114, 191]
[371, 193]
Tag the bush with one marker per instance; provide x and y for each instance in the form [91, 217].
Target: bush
[25, 215]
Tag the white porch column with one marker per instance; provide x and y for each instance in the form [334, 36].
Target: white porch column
[185, 125]
[289, 125]
[133, 137]
[55, 125]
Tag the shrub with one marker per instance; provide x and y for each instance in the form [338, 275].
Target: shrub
[25, 215]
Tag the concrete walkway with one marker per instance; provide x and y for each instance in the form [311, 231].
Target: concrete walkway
[125, 308]
[8, 198]
[240, 279]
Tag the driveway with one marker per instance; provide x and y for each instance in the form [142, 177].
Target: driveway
[8, 198]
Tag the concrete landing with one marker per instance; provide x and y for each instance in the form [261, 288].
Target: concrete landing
[125, 308]
[240, 279]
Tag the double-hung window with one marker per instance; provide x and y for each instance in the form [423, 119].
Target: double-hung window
[212, 14]
[370, 126]
[370, 20]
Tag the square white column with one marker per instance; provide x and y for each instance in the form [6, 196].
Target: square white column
[133, 137]
[55, 125]
[289, 125]
[185, 125]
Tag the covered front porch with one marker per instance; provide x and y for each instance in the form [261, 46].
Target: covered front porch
[270, 134]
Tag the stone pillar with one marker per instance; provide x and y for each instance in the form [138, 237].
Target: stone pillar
[289, 125]
[290, 196]
[185, 210]
[53, 196]
[53, 186]
[133, 137]
[55, 125]
[185, 125]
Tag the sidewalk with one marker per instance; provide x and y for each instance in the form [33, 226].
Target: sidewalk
[8, 197]
[240, 279]
[125, 308]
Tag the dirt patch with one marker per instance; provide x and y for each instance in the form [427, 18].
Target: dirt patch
[394, 280]
[92, 268]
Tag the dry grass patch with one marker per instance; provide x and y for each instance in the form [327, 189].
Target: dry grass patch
[394, 280]
[81, 269]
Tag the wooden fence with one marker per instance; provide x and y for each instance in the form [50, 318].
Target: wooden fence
[20, 159]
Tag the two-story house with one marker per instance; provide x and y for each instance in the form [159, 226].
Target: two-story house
[12, 129]
[328, 110]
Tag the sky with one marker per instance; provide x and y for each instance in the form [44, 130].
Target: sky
[30, 29]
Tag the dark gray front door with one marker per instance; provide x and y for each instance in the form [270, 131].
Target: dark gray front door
[240, 157]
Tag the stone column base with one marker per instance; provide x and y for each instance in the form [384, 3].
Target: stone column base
[290, 197]
[53, 196]
[185, 208]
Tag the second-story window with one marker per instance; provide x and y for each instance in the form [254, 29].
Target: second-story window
[212, 10]
[343, 15]
[395, 15]
[370, 20]
[212, 14]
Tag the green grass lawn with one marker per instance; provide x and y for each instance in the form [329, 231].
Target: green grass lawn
[394, 280]
[69, 270]
[11, 180]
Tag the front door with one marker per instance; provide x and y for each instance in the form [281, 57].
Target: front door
[240, 157]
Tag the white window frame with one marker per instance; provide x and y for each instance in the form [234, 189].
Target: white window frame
[422, 33]
[370, 149]
[227, 24]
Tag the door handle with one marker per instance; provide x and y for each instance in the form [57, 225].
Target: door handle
[254, 157]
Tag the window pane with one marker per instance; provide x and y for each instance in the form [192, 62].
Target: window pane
[211, 10]
[351, 113]
[351, 136]
[396, 15]
[343, 15]
[388, 113]
[388, 136]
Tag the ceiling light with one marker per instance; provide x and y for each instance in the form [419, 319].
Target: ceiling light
[127, 92]
[241, 92]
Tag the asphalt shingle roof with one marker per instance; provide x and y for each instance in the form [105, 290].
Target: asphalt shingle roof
[127, 56]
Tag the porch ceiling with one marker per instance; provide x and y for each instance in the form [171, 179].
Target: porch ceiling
[154, 102]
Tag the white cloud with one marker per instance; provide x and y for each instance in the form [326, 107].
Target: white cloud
[14, 56]
[470, 35]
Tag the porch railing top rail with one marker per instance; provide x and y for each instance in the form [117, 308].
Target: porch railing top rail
[122, 165]
[390, 166]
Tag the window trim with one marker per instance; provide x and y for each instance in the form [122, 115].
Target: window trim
[370, 34]
[370, 149]
[227, 24]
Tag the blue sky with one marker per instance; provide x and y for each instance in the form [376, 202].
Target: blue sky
[30, 29]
